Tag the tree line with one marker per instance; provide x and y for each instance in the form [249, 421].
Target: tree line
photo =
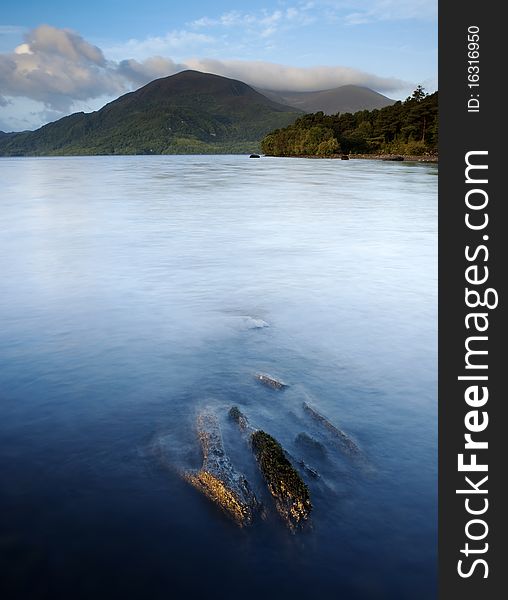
[409, 127]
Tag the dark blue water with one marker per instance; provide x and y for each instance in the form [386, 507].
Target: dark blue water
[125, 287]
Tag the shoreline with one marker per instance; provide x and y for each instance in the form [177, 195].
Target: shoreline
[432, 158]
[425, 158]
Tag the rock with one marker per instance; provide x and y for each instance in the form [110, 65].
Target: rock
[342, 440]
[292, 498]
[252, 323]
[239, 418]
[217, 478]
[310, 445]
[344, 157]
[394, 158]
[301, 463]
[254, 156]
[291, 495]
[309, 470]
[270, 381]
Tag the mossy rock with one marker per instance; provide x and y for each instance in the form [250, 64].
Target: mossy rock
[217, 479]
[292, 497]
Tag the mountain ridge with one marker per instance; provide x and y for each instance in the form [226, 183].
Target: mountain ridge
[190, 112]
[345, 98]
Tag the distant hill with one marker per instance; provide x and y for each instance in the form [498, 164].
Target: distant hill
[346, 98]
[190, 112]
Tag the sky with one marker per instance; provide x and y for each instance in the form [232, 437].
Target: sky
[59, 57]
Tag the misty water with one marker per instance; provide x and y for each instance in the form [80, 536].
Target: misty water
[129, 294]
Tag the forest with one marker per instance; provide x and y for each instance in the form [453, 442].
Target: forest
[407, 127]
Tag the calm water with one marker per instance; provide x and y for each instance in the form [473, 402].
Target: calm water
[125, 283]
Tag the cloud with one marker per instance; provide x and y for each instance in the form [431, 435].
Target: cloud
[260, 74]
[11, 29]
[174, 41]
[281, 77]
[56, 67]
[140, 73]
[264, 23]
[62, 71]
[391, 10]
[50, 41]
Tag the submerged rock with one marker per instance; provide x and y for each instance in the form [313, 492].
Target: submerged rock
[292, 498]
[310, 445]
[253, 323]
[309, 470]
[270, 381]
[239, 418]
[217, 478]
[342, 440]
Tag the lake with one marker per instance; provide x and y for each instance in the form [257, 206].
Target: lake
[130, 292]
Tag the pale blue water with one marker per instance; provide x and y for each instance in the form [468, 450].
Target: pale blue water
[124, 281]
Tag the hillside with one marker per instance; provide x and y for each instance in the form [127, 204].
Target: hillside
[190, 112]
[409, 128]
[346, 98]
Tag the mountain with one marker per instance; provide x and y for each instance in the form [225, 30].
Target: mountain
[346, 98]
[190, 112]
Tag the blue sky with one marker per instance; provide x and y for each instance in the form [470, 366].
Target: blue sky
[57, 57]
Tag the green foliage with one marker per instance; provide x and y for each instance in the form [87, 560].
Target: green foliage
[409, 127]
[419, 94]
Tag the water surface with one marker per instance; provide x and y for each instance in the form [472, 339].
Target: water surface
[125, 286]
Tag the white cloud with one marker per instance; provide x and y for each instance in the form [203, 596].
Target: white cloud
[60, 71]
[55, 67]
[152, 68]
[259, 74]
[181, 41]
[282, 77]
[368, 11]
[23, 49]
[11, 29]
[263, 22]
[351, 12]
[51, 41]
